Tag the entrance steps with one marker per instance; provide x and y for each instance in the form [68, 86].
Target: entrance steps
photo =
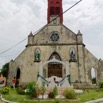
[60, 89]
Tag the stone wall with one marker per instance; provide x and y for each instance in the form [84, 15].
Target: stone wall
[79, 69]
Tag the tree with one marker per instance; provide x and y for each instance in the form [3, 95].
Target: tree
[5, 70]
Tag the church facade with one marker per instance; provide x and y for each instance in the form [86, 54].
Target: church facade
[56, 41]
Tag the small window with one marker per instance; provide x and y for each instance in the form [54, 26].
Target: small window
[51, 10]
[57, 10]
[37, 54]
[57, 3]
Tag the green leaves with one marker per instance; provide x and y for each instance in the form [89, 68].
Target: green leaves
[5, 69]
[32, 89]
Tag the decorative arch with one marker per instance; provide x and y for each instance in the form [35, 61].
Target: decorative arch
[55, 67]
[37, 54]
[54, 60]
[56, 55]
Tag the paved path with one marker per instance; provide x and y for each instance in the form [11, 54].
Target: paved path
[96, 101]
[2, 101]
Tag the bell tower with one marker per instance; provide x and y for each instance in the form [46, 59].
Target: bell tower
[54, 10]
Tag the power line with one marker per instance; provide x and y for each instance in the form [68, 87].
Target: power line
[67, 10]
[13, 46]
[42, 27]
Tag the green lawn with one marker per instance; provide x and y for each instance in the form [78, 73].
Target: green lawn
[87, 96]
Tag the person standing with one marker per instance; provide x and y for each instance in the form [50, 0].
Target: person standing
[14, 82]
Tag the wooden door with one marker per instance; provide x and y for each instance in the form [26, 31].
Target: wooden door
[55, 70]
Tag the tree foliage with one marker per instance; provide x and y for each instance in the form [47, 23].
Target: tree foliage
[5, 69]
[32, 89]
[100, 84]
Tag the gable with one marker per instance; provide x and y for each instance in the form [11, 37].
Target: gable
[55, 34]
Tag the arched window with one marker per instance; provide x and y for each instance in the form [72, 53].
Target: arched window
[72, 54]
[37, 54]
[93, 76]
[56, 55]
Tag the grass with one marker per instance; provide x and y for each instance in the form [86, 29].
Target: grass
[87, 96]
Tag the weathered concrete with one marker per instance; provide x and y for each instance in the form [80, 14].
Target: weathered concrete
[80, 67]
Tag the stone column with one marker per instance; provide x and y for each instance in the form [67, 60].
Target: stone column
[73, 72]
[67, 68]
[41, 69]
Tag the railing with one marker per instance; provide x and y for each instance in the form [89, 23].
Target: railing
[61, 81]
[47, 82]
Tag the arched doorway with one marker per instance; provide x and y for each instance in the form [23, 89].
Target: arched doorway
[55, 68]
[18, 76]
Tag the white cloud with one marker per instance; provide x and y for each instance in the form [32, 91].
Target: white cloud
[19, 17]
[95, 49]
[2, 61]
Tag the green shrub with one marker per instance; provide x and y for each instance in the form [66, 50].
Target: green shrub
[100, 84]
[32, 89]
[51, 95]
[55, 91]
[57, 101]
[69, 94]
[42, 89]
[20, 90]
[5, 90]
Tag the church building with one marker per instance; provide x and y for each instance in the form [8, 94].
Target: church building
[55, 51]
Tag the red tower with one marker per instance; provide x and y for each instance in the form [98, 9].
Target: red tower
[55, 9]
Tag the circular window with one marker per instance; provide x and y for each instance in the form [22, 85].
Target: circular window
[54, 37]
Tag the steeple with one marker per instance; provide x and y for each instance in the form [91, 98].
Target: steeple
[54, 10]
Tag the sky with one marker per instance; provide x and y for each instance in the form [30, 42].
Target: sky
[19, 17]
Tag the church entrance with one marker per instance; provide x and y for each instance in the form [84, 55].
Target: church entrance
[17, 76]
[55, 68]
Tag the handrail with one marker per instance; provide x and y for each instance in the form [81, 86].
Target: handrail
[44, 79]
[63, 79]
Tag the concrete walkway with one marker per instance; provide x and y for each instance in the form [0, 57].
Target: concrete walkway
[2, 101]
[96, 101]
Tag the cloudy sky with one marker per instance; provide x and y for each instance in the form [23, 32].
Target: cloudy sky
[19, 17]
